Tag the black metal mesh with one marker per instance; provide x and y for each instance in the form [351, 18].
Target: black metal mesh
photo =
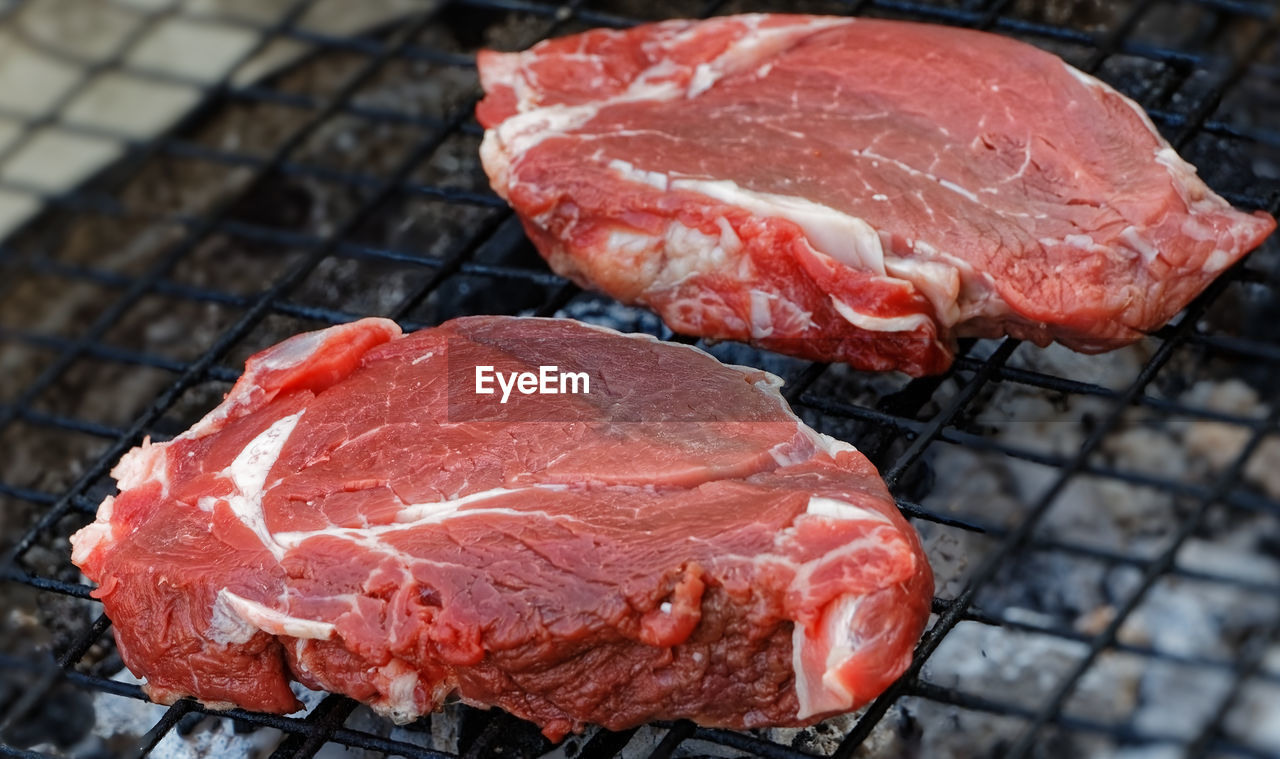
[348, 185]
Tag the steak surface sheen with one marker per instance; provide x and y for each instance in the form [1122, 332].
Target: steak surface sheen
[674, 543]
[854, 190]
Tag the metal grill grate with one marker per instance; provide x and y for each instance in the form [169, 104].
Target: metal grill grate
[338, 201]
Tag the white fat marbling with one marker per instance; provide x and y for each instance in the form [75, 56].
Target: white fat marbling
[804, 691]
[838, 622]
[98, 532]
[690, 251]
[226, 625]
[1134, 239]
[398, 700]
[268, 620]
[761, 316]
[938, 279]
[626, 241]
[655, 179]
[428, 511]
[831, 446]
[878, 323]
[1217, 261]
[830, 693]
[293, 351]
[418, 515]
[704, 76]
[146, 463]
[248, 472]
[837, 509]
[848, 239]
[958, 189]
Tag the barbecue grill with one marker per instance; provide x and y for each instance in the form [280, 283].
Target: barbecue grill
[1105, 530]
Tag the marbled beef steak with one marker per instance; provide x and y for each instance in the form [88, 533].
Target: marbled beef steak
[673, 543]
[852, 190]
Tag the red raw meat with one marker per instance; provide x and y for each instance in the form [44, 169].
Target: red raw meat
[673, 544]
[854, 190]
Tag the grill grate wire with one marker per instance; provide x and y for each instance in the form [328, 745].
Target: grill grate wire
[908, 415]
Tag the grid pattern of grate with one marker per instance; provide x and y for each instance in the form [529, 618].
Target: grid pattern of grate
[309, 267]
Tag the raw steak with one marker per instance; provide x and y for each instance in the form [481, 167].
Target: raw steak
[851, 189]
[674, 543]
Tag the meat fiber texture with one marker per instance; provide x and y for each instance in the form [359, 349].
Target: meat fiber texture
[854, 190]
[673, 544]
